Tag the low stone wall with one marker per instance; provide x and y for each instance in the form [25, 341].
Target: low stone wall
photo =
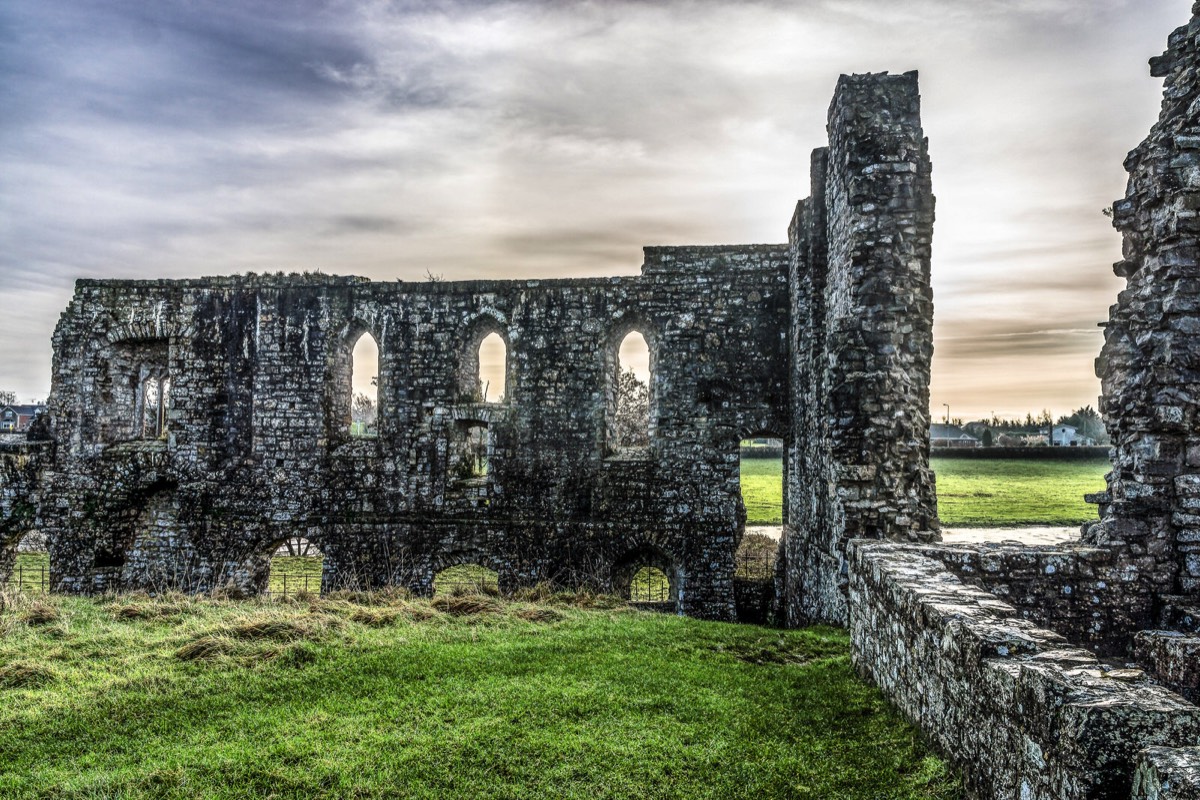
[1024, 453]
[1094, 596]
[1167, 773]
[1021, 712]
[1172, 658]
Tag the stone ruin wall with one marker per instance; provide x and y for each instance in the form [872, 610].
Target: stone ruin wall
[862, 340]
[22, 468]
[259, 449]
[1022, 711]
[823, 342]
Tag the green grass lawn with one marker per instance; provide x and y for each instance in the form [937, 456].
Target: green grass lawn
[295, 574]
[762, 490]
[1011, 493]
[373, 696]
[971, 493]
[31, 573]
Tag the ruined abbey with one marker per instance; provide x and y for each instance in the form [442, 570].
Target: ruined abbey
[196, 424]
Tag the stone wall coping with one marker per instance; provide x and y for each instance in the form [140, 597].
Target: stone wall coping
[977, 625]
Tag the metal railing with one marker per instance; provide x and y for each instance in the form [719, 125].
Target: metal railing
[755, 566]
[35, 580]
[650, 586]
[285, 584]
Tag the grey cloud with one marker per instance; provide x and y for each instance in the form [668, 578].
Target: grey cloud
[545, 139]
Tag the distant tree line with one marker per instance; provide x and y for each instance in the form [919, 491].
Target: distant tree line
[999, 431]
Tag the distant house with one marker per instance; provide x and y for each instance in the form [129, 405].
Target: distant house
[18, 418]
[951, 436]
[1068, 436]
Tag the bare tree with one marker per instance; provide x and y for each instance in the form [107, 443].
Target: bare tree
[363, 414]
[7, 397]
[631, 426]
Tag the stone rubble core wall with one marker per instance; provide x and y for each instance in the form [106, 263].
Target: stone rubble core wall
[1150, 363]
[862, 316]
[1023, 713]
[823, 342]
[1167, 773]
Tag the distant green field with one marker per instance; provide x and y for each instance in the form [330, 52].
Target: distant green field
[295, 574]
[971, 493]
[31, 572]
[466, 579]
[762, 490]
[1012, 493]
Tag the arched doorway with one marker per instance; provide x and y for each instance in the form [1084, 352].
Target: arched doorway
[647, 576]
[30, 560]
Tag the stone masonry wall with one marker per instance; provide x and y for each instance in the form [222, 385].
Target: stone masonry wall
[862, 341]
[258, 448]
[1167, 773]
[1024, 714]
[823, 342]
[1150, 363]
[1091, 595]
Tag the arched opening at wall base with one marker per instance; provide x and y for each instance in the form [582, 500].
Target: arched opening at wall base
[466, 579]
[25, 564]
[648, 577]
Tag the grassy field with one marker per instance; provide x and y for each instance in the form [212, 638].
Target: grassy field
[31, 572]
[466, 578]
[971, 493]
[295, 574]
[372, 696]
[762, 490]
[1004, 492]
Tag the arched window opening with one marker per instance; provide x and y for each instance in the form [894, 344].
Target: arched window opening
[364, 387]
[493, 364]
[630, 420]
[296, 566]
[471, 451]
[465, 579]
[132, 399]
[30, 566]
[650, 585]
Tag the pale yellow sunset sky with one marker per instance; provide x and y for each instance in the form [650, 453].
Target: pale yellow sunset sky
[535, 139]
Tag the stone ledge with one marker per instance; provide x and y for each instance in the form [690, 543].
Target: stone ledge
[1020, 711]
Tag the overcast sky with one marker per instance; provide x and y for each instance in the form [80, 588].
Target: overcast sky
[539, 139]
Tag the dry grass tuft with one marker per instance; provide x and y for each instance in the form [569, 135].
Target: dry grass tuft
[25, 675]
[467, 605]
[421, 613]
[542, 592]
[539, 615]
[260, 639]
[40, 614]
[277, 629]
[207, 648]
[377, 617]
[387, 596]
